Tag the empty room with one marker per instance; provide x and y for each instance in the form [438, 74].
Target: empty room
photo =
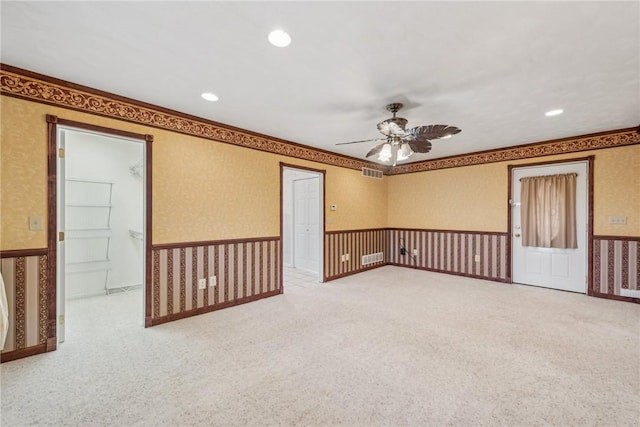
[320, 213]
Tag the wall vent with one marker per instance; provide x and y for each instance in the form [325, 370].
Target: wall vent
[632, 293]
[372, 258]
[372, 173]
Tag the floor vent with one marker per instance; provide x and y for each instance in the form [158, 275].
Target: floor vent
[372, 258]
[372, 173]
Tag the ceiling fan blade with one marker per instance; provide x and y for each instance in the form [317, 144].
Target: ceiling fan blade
[390, 128]
[375, 150]
[420, 146]
[432, 131]
[358, 142]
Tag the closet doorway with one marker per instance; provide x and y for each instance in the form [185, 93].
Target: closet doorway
[101, 249]
[302, 227]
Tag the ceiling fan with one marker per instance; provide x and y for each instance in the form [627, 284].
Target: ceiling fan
[399, 143]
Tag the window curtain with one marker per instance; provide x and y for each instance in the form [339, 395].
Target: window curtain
[548, 211]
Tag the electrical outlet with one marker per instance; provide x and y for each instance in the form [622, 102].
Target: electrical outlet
[342, 258]
[415, 252]
[213, 281]
[476, 258]
[346, 257]
[202, 283]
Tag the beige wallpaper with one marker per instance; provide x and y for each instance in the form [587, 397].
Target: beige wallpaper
[468, 198]
[202, 190]
[361, 202]
[475, 197]
[617, 190]
[205, 190]
[23, 174]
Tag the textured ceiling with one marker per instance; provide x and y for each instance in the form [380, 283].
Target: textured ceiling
[490, 68]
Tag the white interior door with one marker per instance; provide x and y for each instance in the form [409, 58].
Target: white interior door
[60, 263]
[564, 269]
[306, 193]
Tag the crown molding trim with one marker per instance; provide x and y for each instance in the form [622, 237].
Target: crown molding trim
[24, 84]
[594, 141]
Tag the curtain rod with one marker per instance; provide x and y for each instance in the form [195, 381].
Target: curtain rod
[547, 176]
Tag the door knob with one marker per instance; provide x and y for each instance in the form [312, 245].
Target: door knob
[516, 235]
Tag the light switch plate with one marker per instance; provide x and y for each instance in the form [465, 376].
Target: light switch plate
[617, 219]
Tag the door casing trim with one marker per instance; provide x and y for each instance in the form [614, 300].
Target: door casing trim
[323, 173]
[52, 201]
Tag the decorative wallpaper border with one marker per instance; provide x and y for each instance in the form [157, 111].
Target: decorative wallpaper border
[595, 141]
[36, 87]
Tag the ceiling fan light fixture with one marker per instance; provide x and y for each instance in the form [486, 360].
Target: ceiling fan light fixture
[385, 153]
[404, 152]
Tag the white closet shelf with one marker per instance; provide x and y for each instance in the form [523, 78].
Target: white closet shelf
[91, 181]
[88, 266]
[88, 233]
[88, 205]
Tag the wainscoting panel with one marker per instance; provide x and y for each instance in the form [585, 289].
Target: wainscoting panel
[616, 266]
[25, 280]
[244, 270]
[355, 243]
[451, 252]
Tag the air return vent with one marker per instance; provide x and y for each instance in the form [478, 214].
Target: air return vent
[372, 173]
[630, 293]
[372, 258]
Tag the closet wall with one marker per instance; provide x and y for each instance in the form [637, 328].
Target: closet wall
[104, 214]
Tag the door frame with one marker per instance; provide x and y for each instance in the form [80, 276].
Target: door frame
[322, 175]
[590, 163]
[53, 122]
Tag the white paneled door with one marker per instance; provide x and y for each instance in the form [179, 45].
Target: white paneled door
[564, 269]
[306, 193]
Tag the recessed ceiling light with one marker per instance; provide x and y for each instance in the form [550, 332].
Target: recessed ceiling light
[279, 38]
[553, 113]
[209, 96]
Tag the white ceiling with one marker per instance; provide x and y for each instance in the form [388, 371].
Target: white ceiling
[490, 68]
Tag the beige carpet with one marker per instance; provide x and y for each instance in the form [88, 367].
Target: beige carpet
[391, 346]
